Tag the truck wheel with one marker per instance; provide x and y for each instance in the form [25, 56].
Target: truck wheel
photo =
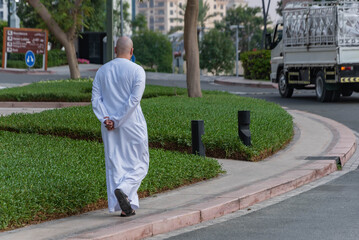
[347, 92]
[284, 90]
[322, 93]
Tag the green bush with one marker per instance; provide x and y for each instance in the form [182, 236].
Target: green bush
[256, 64]
[168, 120]
[154, 50]
[45, 177]
[70, 91]
[2, 25]
[217, 52]
[54, 58]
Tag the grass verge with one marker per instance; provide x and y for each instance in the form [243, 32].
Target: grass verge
[47, 177]
[70, 91]
[168, 120]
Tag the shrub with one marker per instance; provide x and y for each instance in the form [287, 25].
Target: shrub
[256, 64]
[154, 50]
[217, 52]
[2, 25]
[55, 57]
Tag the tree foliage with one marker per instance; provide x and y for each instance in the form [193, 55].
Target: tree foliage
[62, 11]
[64, 19]
[139, 24]
[154, 50]
[117, 17]
[217, 52]
[203, 15]
[90, 20]
[96, 22]
[249, 18]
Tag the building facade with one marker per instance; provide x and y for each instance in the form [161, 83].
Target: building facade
[166, 15]
[3, 10]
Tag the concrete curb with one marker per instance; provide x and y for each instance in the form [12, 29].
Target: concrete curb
[246, 83]
[25, 71]
[346, 145]
[233, 201]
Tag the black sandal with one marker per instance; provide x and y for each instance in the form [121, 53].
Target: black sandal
[122, 199]
[128, 215]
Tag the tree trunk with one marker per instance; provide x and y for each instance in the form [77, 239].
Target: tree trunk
[72, 60]
[64, 39]
[191, 48]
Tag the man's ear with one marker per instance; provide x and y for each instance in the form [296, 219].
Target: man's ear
[131, 52]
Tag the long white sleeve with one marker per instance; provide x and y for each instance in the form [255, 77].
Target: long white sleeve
[134, 100]
[97, 100]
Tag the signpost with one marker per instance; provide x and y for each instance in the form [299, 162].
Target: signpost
[30, 58]
[25, 40]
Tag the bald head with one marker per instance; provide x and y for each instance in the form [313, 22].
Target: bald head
[124, 47]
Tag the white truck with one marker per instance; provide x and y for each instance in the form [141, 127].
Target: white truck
[316, 45]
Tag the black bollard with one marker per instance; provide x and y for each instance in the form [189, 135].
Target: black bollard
[244, 132]
[197, 132]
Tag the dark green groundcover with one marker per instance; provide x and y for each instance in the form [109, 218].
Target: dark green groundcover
[50, 176]
[70, 91]
[45, 177]
[169, 124]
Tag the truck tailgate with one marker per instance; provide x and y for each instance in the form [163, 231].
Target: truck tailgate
[348, 55]
[304, 56]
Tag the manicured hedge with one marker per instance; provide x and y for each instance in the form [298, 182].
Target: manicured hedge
[46, 177]
[55, 58]
[70, 91]
[256, 64]
[169, 119]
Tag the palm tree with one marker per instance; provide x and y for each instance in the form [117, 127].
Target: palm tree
[202, 14]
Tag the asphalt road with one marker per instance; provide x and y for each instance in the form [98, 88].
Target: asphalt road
[329, 211]
[19, 78]
[346, 111]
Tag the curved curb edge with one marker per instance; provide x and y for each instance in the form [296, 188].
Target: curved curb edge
[233, 201]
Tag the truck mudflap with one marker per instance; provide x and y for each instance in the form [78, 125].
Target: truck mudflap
[349, 80]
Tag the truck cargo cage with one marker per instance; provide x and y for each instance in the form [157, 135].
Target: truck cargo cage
[348, 23]
[314, 23]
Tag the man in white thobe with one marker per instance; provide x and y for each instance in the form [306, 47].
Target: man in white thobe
[116, 94]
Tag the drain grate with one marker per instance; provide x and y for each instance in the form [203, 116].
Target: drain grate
[336, 158]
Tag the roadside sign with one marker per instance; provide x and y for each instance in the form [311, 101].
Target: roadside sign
[22, 40]
[30, 58]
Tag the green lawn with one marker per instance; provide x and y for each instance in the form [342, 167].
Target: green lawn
[44, 177]
[52, 162]
[70, 91]
[169, 124]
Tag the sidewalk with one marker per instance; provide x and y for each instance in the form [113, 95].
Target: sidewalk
[244, 184]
